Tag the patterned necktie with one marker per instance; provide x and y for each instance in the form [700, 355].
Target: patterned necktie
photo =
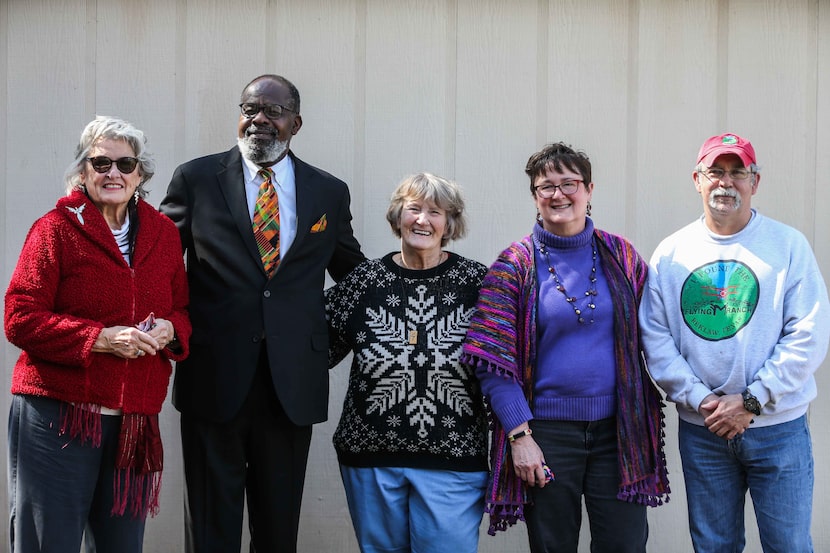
[267, 223]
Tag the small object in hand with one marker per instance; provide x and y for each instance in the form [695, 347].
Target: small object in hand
[548, 473]
[147, 324]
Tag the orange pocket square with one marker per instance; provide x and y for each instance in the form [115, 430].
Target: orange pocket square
[320, 225]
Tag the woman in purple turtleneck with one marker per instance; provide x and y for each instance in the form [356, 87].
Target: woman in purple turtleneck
[556, 347]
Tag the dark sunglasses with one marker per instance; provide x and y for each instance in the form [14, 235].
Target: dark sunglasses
[102, 164]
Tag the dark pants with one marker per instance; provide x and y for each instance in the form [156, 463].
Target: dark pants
[583, 457]
[259, 452]
[58, 487]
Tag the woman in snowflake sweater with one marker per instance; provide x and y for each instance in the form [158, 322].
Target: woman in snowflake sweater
[412, 436]
[97, 304]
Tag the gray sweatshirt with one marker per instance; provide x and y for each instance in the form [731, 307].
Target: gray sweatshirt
[724, 313]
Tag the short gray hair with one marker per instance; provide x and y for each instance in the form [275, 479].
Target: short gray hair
[110, 128]
[442, 192]
[754, 168]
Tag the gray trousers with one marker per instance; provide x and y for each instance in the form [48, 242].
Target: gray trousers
[59, 488]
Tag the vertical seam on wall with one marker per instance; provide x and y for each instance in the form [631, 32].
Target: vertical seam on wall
[811, 154]
[451, 92]
[542, 71]
[180, 82]
[632, 133]
[91, 45]
[722, 85]
[359, 142]
[6, 255]
[272, 24]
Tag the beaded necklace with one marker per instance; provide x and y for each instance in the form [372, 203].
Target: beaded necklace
[592, 286]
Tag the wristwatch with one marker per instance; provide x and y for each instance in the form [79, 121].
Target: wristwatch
[751, 402]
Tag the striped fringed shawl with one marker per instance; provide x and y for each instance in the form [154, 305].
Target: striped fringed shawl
[502, 337]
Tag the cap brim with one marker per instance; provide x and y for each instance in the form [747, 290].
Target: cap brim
[713, 155]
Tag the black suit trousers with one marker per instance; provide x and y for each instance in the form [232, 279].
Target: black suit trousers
[259, 454]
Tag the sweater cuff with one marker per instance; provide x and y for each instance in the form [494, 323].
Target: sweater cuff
[513, 414]
[696, 397]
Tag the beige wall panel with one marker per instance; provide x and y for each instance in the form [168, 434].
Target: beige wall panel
[134, 65]
[7, 249]
[820, 186]
[409, 108]
[463, 88]
[313, 44]
[49, 87]
[676, 103]
[820, 130]
[224, 45]
[587, 99]
[772, 50]
[496, 121]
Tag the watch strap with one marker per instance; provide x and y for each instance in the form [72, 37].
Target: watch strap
[513, 437]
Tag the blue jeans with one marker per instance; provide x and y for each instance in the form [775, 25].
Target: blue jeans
[775, 463]
[583, 457]
[403, 510]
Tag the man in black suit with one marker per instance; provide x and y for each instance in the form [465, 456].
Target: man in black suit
[257, 377]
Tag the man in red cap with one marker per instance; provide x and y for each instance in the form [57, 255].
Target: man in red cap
[735, 322]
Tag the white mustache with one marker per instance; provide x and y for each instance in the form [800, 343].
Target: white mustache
[254, 129]
[725, 192]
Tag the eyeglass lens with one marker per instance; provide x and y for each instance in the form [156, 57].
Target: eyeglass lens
[102, 164]
[735, 174]
[548, 190]
[271, 111]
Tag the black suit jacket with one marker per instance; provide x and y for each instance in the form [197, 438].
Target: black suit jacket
[234, 306]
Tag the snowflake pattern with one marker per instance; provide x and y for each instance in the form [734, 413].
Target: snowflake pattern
[408, 398]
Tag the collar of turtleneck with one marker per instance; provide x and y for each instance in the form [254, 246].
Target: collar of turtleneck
[554, 241]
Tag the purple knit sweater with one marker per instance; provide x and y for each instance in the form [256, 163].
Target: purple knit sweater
[575, 367]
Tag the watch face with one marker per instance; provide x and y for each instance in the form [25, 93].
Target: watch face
[751, 403]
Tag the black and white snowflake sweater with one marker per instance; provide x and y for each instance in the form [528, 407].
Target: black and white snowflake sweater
[409, 403]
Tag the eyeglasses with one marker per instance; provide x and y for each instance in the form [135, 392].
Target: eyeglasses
[102, 164]
[716, 173]
[271, 111]
[547, 191]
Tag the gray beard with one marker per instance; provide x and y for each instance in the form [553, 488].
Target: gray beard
[260, 152]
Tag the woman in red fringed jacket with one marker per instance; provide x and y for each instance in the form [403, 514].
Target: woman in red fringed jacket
[97, 304]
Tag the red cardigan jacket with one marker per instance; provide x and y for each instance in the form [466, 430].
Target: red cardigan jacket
[70, 282]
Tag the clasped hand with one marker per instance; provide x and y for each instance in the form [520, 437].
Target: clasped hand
[129, 342]
[725, 416]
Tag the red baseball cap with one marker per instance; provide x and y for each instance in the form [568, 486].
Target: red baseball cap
[726, 144]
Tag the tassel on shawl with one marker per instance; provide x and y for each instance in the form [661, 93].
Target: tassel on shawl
[140, 456]
[138, 466]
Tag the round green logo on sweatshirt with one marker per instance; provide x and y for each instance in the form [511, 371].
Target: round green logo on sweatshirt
[719, 298]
